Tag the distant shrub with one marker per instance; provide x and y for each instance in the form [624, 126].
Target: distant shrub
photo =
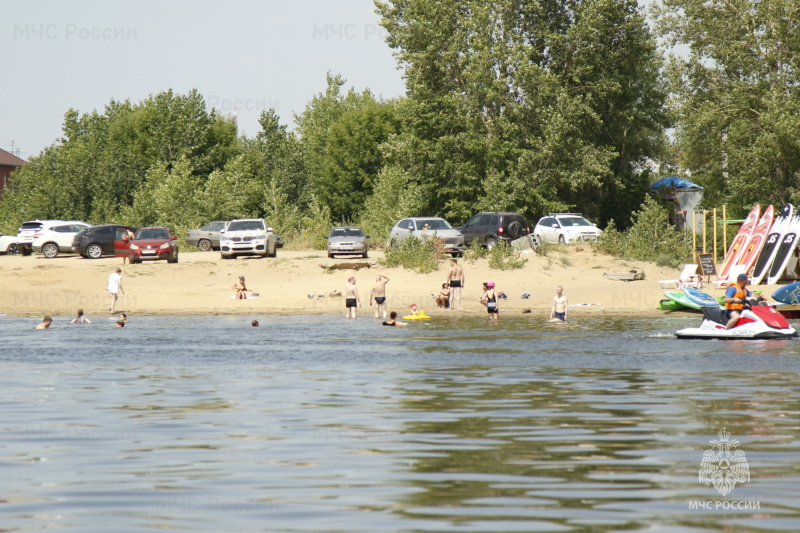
[475, 251]
[651, 238]
[502, 257]
[420, 255]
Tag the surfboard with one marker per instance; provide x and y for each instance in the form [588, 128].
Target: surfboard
[757, 238]
[788, 294]
[784, 253]
[771, 243]
[681, 299]
[739, 242]
[700, 298]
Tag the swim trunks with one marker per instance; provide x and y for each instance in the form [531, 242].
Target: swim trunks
[379, 300]
[389, 324]
[454, 283]
[350, 302]
[560, 316]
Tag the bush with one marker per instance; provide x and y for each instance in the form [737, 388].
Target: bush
[503, 257]
[475, 251]
[651, 238]
[421, 255]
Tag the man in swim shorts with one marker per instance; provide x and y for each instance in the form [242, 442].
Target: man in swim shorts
[559, 309]
[379, 295]
[456, 281]
[351, 299]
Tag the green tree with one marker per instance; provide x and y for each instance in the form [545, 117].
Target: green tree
[736, 97]
[530, 106]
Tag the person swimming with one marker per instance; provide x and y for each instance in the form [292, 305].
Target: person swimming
[393, 320]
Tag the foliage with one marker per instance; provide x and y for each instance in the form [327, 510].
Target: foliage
[421, 255]
[525, 106]
[503, 257]
[395, 197]
[735, 97]
[650, 238]
[475, 251]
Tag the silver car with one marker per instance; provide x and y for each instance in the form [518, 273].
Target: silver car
[207, 237]
[419, 227]
[347, 240]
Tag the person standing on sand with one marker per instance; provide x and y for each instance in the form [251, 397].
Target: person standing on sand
[379, 295]
[114, 288]
[559, 310]
[351, 299]
[456, 281]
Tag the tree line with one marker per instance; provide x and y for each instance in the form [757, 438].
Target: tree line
[547, 105]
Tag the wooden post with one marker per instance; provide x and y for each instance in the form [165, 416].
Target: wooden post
[724, 232]
[694, 236]
[715, 234]
[704, 230]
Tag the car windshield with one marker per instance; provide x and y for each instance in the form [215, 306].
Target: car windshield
[151, 233]
[574, 221]
[246, 225]
[347, 232]
[433, 224]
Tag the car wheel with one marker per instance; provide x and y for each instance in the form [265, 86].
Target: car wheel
[175, 258]
[25, 251]
[366, 255]
[204, 245]
[561, 240]
[50, 250]
[94, 251]
[514, 230]
[490, 243]
[12, 249]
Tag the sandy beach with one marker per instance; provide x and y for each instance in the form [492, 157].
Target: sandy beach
[303, 282]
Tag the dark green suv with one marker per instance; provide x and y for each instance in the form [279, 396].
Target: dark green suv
[489, 228]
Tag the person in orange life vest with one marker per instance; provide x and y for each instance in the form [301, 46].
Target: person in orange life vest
[735, 299]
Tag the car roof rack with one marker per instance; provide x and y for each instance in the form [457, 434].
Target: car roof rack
[557, 214]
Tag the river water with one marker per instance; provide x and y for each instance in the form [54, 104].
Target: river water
[321, 424]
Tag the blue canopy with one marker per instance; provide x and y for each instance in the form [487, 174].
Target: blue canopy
[675, 181]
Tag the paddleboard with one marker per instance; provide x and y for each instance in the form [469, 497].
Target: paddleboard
[784, 253]
[788, 294]
[771, 243]
[681, 299]
[670, 305]
[700, 298]
[739, 242]
[757, 238]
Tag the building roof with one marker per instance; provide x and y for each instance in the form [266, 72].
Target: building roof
[10, 160]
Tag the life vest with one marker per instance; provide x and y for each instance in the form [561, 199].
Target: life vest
[740, 294]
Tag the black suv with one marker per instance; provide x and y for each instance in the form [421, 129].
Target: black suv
[489, 228]
[99, 240]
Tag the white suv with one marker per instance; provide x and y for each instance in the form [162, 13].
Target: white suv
[247, 236]
[28, 231]
[56, 237]
[565, 228]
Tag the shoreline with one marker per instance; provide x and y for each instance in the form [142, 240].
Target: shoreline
[302, 282]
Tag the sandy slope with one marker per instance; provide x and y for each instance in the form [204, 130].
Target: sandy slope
[201, 282]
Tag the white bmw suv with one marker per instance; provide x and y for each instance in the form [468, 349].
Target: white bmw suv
[565, 228]
[247, 236]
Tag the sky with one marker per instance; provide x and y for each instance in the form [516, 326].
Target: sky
[252, 55]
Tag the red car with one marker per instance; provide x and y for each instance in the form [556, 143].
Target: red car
[152, 244]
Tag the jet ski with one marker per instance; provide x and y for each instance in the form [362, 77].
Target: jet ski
[755, 322]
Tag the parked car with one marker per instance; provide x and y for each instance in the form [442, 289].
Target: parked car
[27, 230]
[418, 227]
[53, 238]
[97, 241]
[278, 241]
[8, 244]
[207, 237]
[565, 228]
[152, 244]
[347, 240]
[248, 236]
[489, 228]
